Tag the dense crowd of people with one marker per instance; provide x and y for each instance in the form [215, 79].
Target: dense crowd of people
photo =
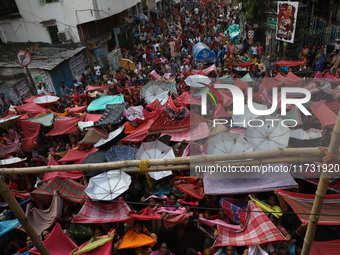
[163, 50]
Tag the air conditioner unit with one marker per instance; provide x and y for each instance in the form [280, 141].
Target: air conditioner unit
[64, 36]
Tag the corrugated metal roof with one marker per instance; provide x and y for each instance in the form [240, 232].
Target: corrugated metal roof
[46, 58]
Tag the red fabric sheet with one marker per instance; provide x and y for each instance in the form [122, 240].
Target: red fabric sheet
[75, 155]
[325, 115]
[95, 212]
[30, 129]
[192, 190]
[60, 175]
[63, 127]
[29, 100]
[7, 150]
[290, 63]
[77, 110]
[205, 71]
[185, 99]
[57, 243]
[153, 106]
[31, 107]
[93, 88]
[335, 107]
[241, 84]
[328, 247]
[165, 123]
[93, 117]
[302, 205]
[147, 214]
[269, 83]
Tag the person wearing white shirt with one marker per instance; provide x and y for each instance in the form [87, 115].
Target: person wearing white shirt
[41, 90]
[97, 69]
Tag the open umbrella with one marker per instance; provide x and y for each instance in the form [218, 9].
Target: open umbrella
[9, 121]
[127, 64]
[113, 138]
[270, 135]
[224, 143]
[141, 17]
[46, 100]
[109, 185]
[12, 162]
[155, 150]
[155, 90]
[197, 80]
[134, 112]
[95, 157]
[248, 115]
[121, 153]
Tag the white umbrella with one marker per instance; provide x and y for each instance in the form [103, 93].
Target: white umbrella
[46, 100]
[134, 112]
[155, 150]
[306, 135]
[271, 135]
[155, 90]
[224, 142]
[248, 115]
[109, 185]
[113, 138]
[196, 80]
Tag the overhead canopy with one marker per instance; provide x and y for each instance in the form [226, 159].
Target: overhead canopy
[290, 63]
[200, 51]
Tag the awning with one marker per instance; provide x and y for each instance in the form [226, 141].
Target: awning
[98, 41]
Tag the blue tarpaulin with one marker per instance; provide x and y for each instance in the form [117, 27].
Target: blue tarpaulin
[8, 225]
[200, 51]
[100, 103]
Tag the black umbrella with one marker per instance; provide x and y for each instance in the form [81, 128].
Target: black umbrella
[304, 71]
[113, 114]
[95, 157]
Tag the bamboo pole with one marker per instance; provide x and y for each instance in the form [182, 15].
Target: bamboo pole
[321, 192]
[260, 155]
[293, 160]
[20, 215]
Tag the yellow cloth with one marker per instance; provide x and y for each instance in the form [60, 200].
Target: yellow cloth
[276, 210]
[60, 114]
[94, 243]
[144, 169]
[132, 240]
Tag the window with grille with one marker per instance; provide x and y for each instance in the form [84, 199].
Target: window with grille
[53, 32]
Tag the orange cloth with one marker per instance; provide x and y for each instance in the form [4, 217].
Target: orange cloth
[129, 128]
[132, 240]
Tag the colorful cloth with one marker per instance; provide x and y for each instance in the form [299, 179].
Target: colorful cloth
[275, 210]
[95, 212]
[57, 242]
[8, 225]
[43, 219]
[60, 175]
[258, 229]
[233, 212]
[67, 189]
[302, 205]
[133, 240]
[325, 115]
[147, 214]
[101, 245]
[328, 247]
[192, 190]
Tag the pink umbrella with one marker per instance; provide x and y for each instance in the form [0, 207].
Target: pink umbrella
[134, 113]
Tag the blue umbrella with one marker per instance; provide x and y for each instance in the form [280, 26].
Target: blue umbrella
[141, 17]
[120, 153]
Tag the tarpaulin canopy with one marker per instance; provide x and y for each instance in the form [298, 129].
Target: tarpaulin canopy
[100, 103]
[8, 225]
[243, 183]
[200, 51]
[31, 107]
[113, 114]
[95, 212]
[258, 229]
[46, 119]
[302, 206]
[57, 242]
[290, 63]
[68, 189]
[325, 115]
[63, 127]
[75, 155]
[61, 175]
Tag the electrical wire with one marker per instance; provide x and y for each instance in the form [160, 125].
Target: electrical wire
[191, 207]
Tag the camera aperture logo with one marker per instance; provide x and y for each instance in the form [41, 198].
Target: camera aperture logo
[239, 106]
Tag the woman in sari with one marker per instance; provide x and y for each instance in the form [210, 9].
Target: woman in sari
[163, 250]
[304, 53]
